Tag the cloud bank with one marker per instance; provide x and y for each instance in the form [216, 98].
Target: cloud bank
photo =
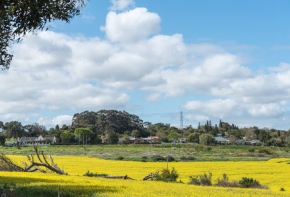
[54, 72]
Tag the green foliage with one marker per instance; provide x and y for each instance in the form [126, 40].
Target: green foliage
[173, 136]
[249, 182]
[111, 137]
[224, 182]
[144, 159]
[167, 175]
[120, 158]
[206, 180]
[206, 139]
[199, 147]
[203, 179]
[158, 158]
[251, 150]
[189, 158]
[66, 137]
[91, 174]
[21, 16]
[2, 140]
[169, 158]
[266, 150]
[193, 137]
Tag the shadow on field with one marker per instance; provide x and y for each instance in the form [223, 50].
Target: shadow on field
[46, 188]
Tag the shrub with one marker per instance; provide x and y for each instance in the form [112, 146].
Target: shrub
[170, 158]
[207, 148]
[120, 158]
[203, 179]
[224, 182]
[144, 159]
[167, 175]
[158, 158]
[249, 182]
[198, 147]
[251, 150]
[90, 174]
[266, 150]
[189, 158]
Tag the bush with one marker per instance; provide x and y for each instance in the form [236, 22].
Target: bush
[167, 176]
[170, 158]
[120, 158]
[266, 150]
[224, 182]
[144, 159]
[249, 182]
[207, 148]
[90, 174]
[198, 147]
[251, 150]
[157, 158]
[203, 179]
[189, 158]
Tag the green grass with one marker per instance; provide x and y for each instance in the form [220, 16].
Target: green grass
[135, 152]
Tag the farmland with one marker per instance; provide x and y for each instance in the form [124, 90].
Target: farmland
[273, 173]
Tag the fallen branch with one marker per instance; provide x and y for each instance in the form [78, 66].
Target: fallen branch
[118, 177]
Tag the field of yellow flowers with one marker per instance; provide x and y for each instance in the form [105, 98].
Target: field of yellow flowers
[274, 173]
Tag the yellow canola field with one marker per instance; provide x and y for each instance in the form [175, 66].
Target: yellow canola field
[274, 173]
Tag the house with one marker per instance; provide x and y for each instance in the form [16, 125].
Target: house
[31, 141]
[151, 140]
[220, 140]
[249, 143]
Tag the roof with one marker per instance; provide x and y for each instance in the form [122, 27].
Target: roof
[220, 139]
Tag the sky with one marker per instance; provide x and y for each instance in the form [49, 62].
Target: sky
[211, 60]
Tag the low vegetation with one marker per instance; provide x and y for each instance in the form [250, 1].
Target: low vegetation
[205, 179]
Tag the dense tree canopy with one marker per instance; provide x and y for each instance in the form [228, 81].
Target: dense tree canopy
[108, 120]
[18, 17]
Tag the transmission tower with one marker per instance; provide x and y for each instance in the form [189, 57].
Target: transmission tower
[181, 120]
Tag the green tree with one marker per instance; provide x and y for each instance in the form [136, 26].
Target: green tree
[83, 134]
[67, 137]
[193, 137]
[206, 139]
[125, 139]
[135, 133]
[2, 140]
[173, 136]
[18, 17]
[111, 137]
[13, 129]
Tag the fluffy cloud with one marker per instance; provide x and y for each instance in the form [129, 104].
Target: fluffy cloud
[54, 71]
[131, 26]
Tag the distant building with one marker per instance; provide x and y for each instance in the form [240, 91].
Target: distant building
[31, 141]
[220, 140]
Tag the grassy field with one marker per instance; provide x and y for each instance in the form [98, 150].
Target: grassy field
[137, 152]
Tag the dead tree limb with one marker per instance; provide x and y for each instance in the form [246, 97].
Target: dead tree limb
[35, 164]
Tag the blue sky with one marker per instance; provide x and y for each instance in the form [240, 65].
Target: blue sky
[209, 59]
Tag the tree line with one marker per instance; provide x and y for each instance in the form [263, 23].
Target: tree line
[108, 126]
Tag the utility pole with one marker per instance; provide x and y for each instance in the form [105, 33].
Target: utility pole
[181, 125]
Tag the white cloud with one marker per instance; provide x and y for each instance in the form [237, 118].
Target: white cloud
[54, 71]
[62, 120]
[266, 110]
[215, 108]
[131, 26]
